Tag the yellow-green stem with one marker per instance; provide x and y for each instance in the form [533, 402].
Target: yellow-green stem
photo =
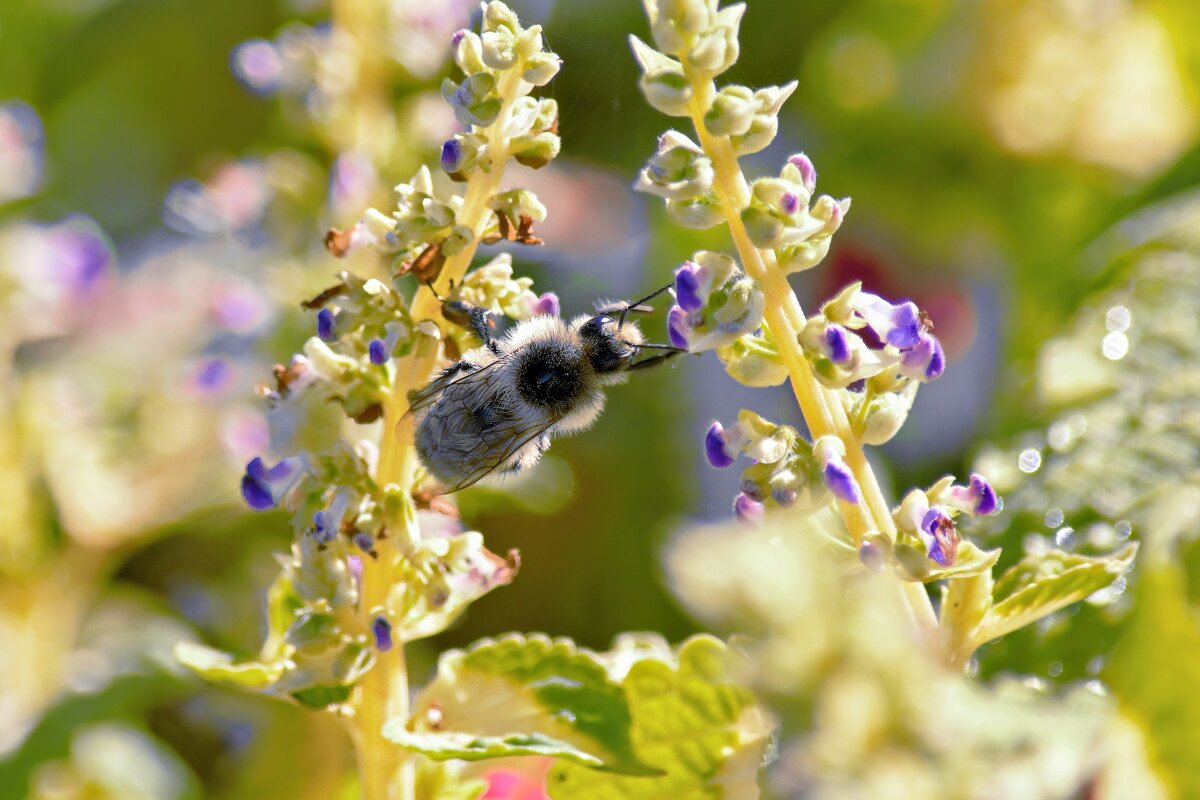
[822, 409]
[385, 769]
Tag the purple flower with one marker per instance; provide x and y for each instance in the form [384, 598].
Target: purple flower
[457, 38]
[325, 322]
[714, 447]
[841, 481]
[452, 154]
[808, 173]
[78, 255]
[837, 344]
[327, 523]
[838, 478]
[978, 498]
[365, 542]
[547, 306]
[790, 203]
[940, 535]
[238, 306]
[747, 509]
[925, 361]
[262, 486]
[213, 375]
[382, 630]
[677, 327]
[324, 527]
[899, 325]
[687, 287]
[378, 351]
[258, 65]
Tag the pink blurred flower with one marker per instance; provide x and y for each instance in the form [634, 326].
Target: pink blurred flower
[508, 783]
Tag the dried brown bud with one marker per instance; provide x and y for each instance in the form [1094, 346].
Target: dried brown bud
[337, 242]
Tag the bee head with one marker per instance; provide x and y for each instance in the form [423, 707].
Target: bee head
[608, 345]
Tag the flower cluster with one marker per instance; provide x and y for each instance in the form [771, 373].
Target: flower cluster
[860, 335]
[928, 516]
[502, 121]
[783, 215]
[715, 303]
[787, 470]
[377, 561]
[855, 366]
[877, 353]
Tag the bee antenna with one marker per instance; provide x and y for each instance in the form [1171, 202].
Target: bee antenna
[631, 306]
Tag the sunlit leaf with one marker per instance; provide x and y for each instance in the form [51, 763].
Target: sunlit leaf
[518, 696]
[1154, 671]
[1042, 584]
[218, 667]
[691, 721]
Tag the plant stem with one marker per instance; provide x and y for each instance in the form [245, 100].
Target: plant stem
[385, 768]
[821, 407]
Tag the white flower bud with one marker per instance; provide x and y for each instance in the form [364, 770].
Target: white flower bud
[731, 112]
[497, 15]
[678, 171]
[517, 203]
[540, 68]
[529, 42]
[536, 151]
[717, 50]
[763, 228]
[806, 255]
[665, 86]
[327, 364]
[468, 52]
[766, 119]
[547, 114]
[886, 412]
[672, 20]
[762, 132]
[697, 213]
[522, 117]
[753, 360]
[499, 48]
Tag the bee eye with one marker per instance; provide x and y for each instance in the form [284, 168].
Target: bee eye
[599, 321]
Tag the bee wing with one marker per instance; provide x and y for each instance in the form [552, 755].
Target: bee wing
[429, 394]
[505, 438]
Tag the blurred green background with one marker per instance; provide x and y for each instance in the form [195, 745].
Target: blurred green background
[986, 147]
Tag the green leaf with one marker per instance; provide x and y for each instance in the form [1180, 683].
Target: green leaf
[1042, 584]
[218, 667]
[322, 696]
[520, 695]
[971, 560]
[1153, 672]
[691, 722]
[282, 607]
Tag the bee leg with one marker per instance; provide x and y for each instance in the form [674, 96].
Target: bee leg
[482, 325]
[652, 346]
[655, 360]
